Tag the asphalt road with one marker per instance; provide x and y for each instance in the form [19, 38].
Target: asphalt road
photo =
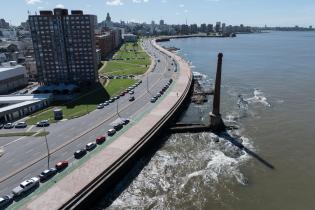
[26, 157]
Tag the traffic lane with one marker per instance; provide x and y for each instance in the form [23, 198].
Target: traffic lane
[6, 140]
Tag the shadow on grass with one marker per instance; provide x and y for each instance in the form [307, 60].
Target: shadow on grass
[92, 96]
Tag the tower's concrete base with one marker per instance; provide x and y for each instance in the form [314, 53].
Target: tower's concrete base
[216, 123]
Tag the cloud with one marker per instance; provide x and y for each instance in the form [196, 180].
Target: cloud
[139, 1]
[164, 1]
[114, 2]
[181, 5]
[60, 6]
[186, 10]
[33, 1]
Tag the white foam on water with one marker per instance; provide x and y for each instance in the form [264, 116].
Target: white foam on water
[259, 97]
[188, 166]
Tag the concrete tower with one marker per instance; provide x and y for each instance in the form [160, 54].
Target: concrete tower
[216, 122]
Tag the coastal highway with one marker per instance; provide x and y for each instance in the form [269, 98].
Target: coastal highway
[26, 157]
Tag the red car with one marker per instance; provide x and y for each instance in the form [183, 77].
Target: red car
[100, 139]
[62, 165]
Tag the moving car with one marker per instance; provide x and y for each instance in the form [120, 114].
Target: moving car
[100, 139]
[90, 146]
[21, 125]
[79, 153]
[61, 165]
[111, 132]
[48, 173]
[43, 123]
[25, 186]
[132, 98]
[8, 126]
[5, 201]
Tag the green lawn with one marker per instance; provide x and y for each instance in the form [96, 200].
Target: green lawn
[135, 61]
[84, 104]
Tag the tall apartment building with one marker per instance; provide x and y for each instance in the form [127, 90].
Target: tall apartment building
[64, 46]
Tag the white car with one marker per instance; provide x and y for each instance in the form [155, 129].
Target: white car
[90, 146]
[25, 186]
[8, 126]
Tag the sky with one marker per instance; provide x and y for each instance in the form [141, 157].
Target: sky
[234, 12]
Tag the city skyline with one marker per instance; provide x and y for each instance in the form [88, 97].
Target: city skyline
[252, 13]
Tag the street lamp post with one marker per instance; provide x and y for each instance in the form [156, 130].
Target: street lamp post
[47, 147]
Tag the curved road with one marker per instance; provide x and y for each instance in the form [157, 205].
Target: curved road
[27, 156]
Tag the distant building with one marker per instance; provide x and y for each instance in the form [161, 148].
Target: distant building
[130, 38]
[184, 29]
[218, 27]
[64, 46]
[4, 24]
[31, 69]
[12, 76]
[310, 27]
[193, 28]
[106, 43]
[162, 22]
[209, 28]
[203, 28]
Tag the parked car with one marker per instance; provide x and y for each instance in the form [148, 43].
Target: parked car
[25, 186]
[118, 126]
[61, 165]
[43, 123]
[8, 126]
[100, 139]
[5, 201]
[90, 146]
[48, 173]
[122, 93]
[106, 103]
[153, 100]
[20, 125]
[132, 98]
[111, 100]
[111, 132]
[100, 106]
[158, 95]
[116, 97]
[125, 121]
[79, 153]
[131, 92]
[1, 126]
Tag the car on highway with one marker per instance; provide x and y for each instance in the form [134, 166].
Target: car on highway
[20, 125]
[48, 173]
[125, 121]
[100, 106]
[79, 153]
[90, 146]
[5, 201]
[43, 123]
[153, 100]
[100, 139]
[111, 132]
[132, 98]
[61, 165]
[118, 126]
[25, 186]
[8, 126]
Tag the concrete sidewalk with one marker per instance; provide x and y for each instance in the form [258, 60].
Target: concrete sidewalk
[80, 178]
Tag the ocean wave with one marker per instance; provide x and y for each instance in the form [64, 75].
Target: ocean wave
[258, 97]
